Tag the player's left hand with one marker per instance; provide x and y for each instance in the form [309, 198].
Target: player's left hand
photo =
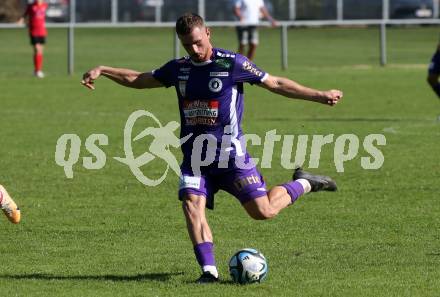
[332, 97]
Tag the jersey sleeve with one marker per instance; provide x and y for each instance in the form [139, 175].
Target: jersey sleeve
[246, 71]
[166, 74]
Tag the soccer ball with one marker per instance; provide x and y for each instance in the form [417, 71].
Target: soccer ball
[248, 266]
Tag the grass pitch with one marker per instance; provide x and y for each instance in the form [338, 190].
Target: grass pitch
[103, 233]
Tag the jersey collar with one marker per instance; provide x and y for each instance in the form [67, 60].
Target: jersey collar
[201, 63]
[214, 52]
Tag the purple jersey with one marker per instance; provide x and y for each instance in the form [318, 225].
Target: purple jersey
[211, 96]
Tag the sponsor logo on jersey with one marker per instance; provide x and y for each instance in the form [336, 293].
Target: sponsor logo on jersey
[215, 85]
[200, 112]
[219, 74]
[185, 69]
[248, 66]
[183, 77]
[224, 63]
[225, 55]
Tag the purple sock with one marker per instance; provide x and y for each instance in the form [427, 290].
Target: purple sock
[294, 189]
[204, 253]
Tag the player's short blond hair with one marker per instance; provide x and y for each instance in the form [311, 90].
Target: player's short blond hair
[187, 22]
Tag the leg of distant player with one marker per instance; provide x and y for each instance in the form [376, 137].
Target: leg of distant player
[253, 42]
[241, 49]
[242, 39]
[251, 51]
[38, 59]
[10, 209]
[433, 81]
[200, 234]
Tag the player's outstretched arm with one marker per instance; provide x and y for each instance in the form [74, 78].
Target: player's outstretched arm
[126, 77]
[292, 89]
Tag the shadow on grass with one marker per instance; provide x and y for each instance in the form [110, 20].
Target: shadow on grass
[159, 277]
[433, 254]
[347, 120]
[221, 282]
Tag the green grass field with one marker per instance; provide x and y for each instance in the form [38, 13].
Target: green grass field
[103, 233]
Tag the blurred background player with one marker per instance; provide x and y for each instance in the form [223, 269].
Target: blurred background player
[36, 15]
[10, 209]
[248, 12]
[434, 72]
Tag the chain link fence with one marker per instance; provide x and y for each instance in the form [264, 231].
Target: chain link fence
[221, 10]
[290, 13]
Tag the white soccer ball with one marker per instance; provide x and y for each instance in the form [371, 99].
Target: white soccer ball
[248, 266]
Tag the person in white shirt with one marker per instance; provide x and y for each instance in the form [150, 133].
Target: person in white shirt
[248, 12]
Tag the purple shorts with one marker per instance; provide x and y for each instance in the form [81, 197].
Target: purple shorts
[243, 184]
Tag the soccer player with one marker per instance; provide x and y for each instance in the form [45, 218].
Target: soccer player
[434, 72]
[36, 14]
[10, 209]
[209, 86]
[248, 13]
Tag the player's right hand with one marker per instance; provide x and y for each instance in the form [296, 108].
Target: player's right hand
[90, 76]
[332, 97]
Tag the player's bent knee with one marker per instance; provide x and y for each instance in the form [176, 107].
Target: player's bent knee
[260, 213]
[193, 205]
[261, 216]
[189, 205]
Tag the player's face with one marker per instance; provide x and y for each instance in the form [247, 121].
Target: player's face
[197, 44]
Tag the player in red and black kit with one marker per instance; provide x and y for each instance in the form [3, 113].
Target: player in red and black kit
[36, 14]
